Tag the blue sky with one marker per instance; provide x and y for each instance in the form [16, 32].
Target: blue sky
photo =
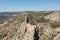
[29, 5]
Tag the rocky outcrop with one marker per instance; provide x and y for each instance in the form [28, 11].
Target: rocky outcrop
[27, 26]
[54, 16]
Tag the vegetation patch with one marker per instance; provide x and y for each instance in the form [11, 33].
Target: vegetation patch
[33, 19]
[55, 25]
[0, 35]
[11, 35]
[43, 20]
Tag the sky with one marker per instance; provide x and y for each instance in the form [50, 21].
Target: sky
[29, 5]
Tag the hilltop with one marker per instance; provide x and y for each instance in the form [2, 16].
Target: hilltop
[30, 25]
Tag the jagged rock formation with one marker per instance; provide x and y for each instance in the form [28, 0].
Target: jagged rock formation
[28, 26]
[54, 16]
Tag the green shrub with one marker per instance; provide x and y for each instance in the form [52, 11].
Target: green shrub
[0, 35]
[55, 25]
[42, 20]
[11, 35]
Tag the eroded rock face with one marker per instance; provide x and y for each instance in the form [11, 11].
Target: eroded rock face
[45, 32]
[29, 33]
[57, 37]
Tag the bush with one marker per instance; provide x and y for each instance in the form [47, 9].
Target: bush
[55, 25]
[0, 35]
[43, 20]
